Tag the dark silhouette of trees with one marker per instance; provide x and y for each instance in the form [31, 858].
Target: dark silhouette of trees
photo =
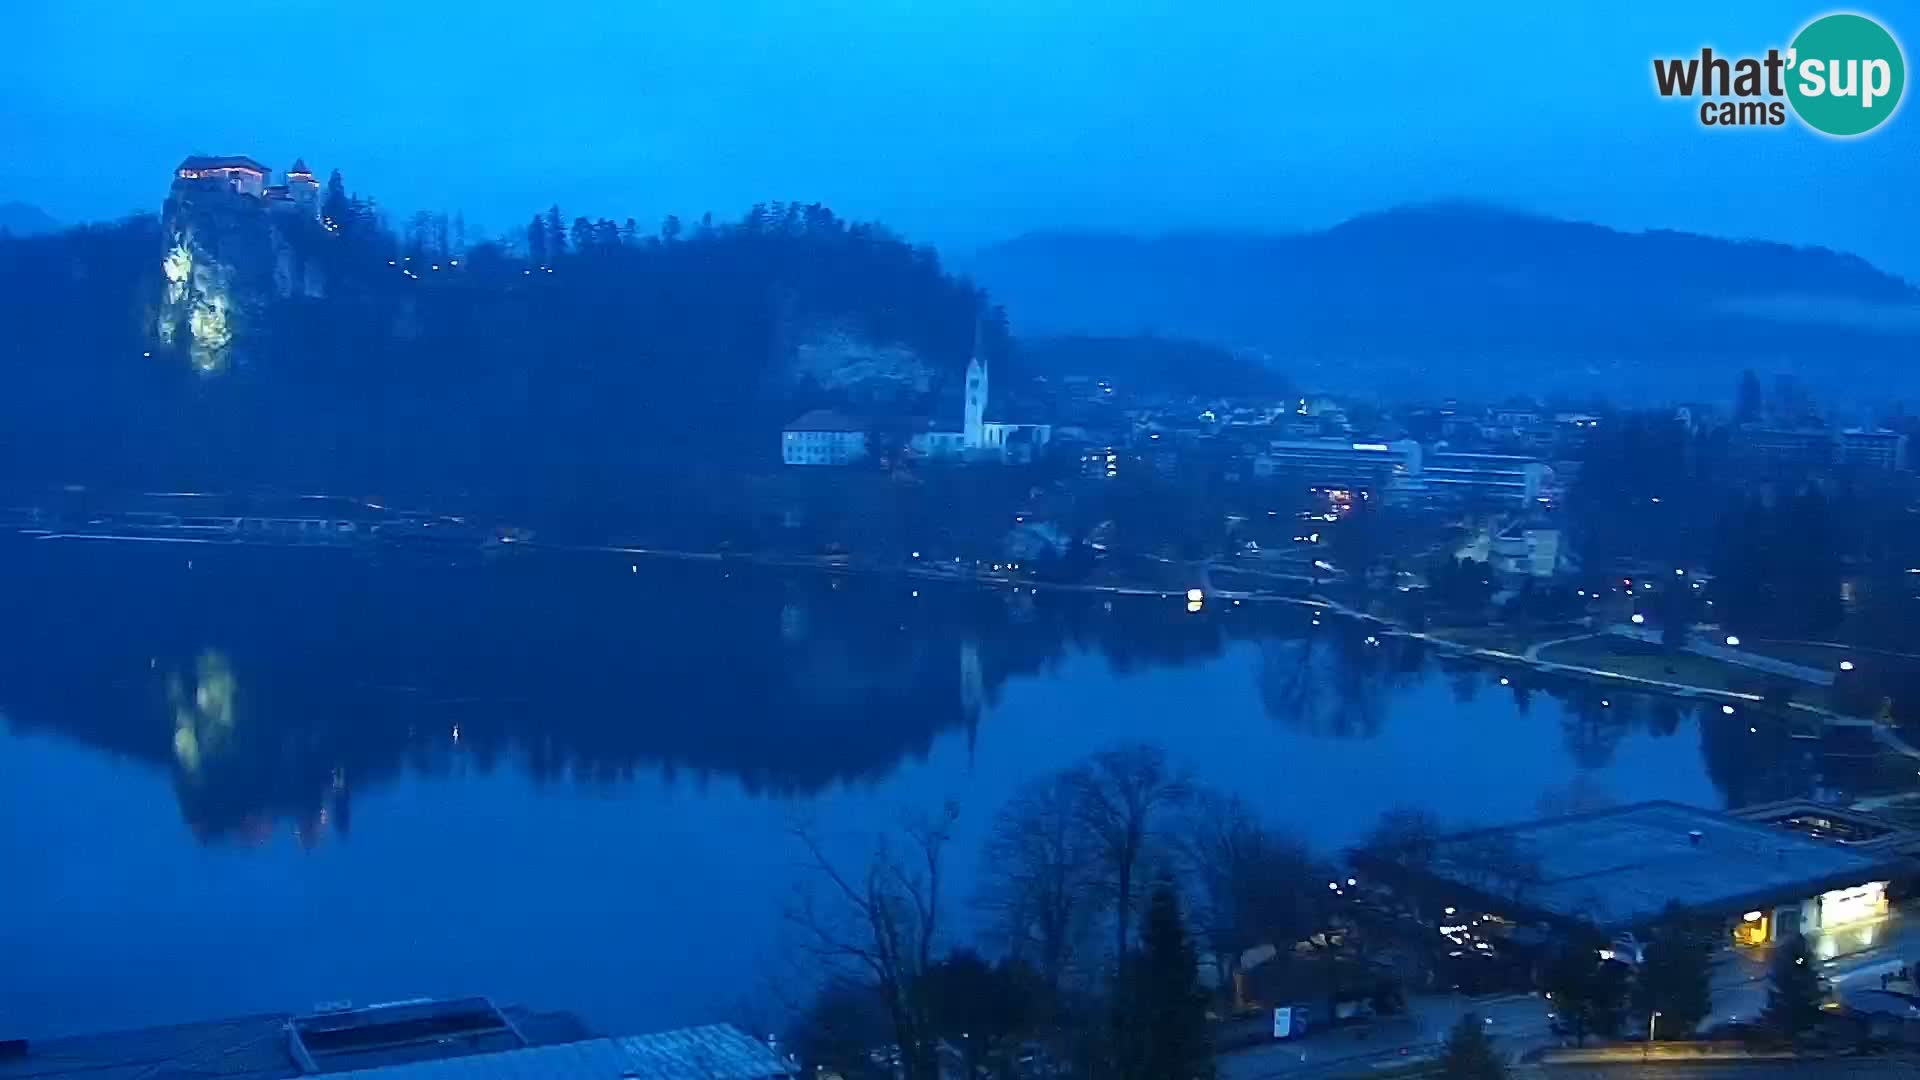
[1778, 568]
[537, 241]
[334, 205]
[1254, 885]
[1160, 1015]
[1124, 795]
[1794, 991]
[1589, 994]
[1675, 980]
[1750, 402]
[877, 926]
[983, 1010]
[1468, 1053]
[556, 232]
[1040, 871]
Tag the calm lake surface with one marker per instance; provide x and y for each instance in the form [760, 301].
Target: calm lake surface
[236, 780]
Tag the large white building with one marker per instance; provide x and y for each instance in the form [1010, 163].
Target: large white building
[1402, 470]
[823, 437]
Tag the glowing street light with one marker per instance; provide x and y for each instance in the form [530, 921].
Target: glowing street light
[1846, 665]
[1194, 596]
[1733, 640]
[1638, 618]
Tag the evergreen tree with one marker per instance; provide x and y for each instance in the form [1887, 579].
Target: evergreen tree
[629, 233]
[334, 206]
[1795, 994]
[1676, 980]
[556, 233]
[1160, 1019]
[1469, 1054]
[1589, 995]
[537, 241]
[1751, 402]
[670, 229]
[582, 236]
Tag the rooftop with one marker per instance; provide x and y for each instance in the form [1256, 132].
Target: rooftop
[713, 1052]
[1623, 866]
[825, 420]
[262, 1046]
[202, 162]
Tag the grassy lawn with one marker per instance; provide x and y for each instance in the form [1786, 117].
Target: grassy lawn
[1647, 662]
[1513, 639]
[1828, 658]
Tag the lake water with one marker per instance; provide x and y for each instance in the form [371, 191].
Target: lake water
[236, 780]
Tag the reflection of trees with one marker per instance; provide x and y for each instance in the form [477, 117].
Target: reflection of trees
[1752, 758]
[1593, 723]
[1335, 680]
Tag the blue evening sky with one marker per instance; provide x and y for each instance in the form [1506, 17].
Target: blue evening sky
[962, 123]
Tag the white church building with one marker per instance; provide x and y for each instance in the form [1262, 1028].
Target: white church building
[823, 437]
[981, 439]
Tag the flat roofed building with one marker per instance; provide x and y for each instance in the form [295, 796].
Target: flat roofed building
[1874, 449]
[1499, 477]
[1622, 868]
[1341, 463]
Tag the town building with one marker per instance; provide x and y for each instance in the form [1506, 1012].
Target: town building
[1403, 471]
[1626, 868]
[1874, 449]
[1769, 448]
[1341, 464]
[1522, 551]
[1483, 477]
[823, 437]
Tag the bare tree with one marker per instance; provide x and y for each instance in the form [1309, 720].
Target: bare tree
[1255, 884]
[879, 925]
[1404, 836]
[1121, 794]
[1039, 874]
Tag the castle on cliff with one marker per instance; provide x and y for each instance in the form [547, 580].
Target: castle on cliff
[244, 176]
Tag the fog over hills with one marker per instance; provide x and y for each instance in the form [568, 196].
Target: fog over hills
[1460, 298]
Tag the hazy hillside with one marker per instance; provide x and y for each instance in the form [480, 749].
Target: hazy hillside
[1464, 298]
[20, 219]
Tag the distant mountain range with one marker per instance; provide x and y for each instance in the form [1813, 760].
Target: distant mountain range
[22, 220]
[1469, 299]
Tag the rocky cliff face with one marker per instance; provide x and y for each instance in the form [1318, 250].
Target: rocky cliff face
[226, 259]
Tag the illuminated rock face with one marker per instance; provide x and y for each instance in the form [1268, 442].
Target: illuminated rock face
[225, 262]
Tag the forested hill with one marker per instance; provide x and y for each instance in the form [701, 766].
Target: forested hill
[1467, 300]
[218, 346]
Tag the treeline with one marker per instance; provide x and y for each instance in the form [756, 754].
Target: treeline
[438, 363]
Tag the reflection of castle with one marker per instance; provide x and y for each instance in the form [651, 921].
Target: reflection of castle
[242, 175]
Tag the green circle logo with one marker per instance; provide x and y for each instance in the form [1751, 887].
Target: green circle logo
[1846, 74]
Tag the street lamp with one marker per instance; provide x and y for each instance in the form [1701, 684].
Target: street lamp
[1652, 1022]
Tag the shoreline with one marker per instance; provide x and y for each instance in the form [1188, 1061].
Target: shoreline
[1492, 658]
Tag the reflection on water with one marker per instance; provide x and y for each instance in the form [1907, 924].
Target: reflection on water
[283, 678]
[591, 759]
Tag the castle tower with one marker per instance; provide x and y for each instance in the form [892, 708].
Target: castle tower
[974, 428]
[302, 188]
